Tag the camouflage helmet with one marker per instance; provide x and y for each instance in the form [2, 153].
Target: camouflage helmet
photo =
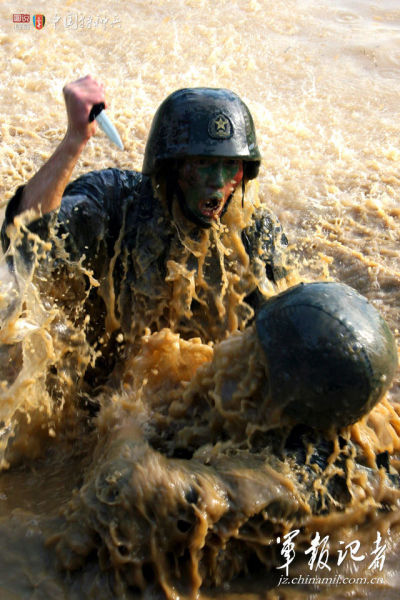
[330, 355]
[202, 122]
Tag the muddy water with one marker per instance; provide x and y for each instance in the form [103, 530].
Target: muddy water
[112, 507]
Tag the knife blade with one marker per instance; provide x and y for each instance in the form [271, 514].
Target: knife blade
[105, 124]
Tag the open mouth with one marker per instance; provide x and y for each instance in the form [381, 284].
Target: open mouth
[211, 207]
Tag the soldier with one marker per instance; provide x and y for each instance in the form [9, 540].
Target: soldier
[186, 243]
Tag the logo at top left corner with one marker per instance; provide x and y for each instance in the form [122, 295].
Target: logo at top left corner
[21, 21]
[38, 21]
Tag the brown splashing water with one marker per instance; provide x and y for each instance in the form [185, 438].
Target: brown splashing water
[180, 483]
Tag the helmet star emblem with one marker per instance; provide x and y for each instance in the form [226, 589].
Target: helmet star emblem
[221, 123]
[220, 127]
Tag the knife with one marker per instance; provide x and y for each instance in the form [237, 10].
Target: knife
[105, 124]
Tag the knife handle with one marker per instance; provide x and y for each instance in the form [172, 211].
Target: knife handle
[96, 110]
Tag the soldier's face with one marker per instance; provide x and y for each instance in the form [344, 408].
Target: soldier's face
[207, 183]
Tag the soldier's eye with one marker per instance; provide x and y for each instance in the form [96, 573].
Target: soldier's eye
[201, 162]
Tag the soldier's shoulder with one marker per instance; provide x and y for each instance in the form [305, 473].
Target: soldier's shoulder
[264, 215]
[105, 179]
[264, 223]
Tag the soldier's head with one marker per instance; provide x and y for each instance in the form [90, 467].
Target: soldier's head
[202, 143]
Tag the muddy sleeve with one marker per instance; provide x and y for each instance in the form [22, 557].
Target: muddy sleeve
[12, 210]
[265, 239]
[91, 212]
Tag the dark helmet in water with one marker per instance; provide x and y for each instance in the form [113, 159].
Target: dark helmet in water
[330, 355]
[204, 122]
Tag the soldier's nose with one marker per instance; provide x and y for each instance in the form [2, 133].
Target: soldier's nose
[216, 175]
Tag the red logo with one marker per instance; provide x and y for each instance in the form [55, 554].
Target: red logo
[21, 18]
[38, 21]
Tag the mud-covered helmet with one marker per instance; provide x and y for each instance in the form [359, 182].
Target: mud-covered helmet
[202, 122]
[330, 356]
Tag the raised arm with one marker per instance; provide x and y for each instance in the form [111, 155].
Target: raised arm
[44, 191]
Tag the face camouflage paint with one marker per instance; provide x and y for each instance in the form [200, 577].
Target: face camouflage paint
[207, 183]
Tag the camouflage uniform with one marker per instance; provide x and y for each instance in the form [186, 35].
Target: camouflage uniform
[117, 224]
